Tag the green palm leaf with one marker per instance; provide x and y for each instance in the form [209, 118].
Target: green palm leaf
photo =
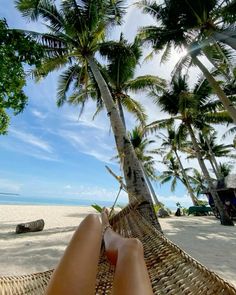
[135, 108]
[45, 8]
[65, 80]
[145, 82]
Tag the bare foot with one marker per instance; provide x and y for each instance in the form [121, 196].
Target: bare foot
[104, 217]
[111, 239]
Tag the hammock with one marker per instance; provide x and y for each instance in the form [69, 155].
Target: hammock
[171, 270]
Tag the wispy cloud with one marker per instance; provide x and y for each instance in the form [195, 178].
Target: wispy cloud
[31, 140]
[90, 144]
[9, 186]
[83, 192]
[184, 200]
[74, 119]
[28, 150]
[86, 120]
[38, 114]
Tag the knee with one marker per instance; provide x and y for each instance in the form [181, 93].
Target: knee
[133, 245]
[91, 221]
[92, 218]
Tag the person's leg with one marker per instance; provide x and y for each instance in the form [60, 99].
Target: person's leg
[76, 272]
[131, 275]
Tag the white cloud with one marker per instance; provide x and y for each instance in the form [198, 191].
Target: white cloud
[84, 121]
[31, 140]
[98, 193]
[71, 116]
[91, 144]
[68, 186]
[38, 114]
[171, 201]
[9, 186]
[75, 192]
[25, 149]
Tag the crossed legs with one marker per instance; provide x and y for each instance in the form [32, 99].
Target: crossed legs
[76, 272]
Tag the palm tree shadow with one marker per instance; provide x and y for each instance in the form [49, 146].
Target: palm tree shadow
[206, 240]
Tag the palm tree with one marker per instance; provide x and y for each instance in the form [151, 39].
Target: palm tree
[144, 154]
[123, 58]
[173, 172]
[173, 31]
[225, 169]
[191, 109]
[76, 31]
[198, 182]
[141, 144]
[174, 141]
[211, 150]
[210, 20]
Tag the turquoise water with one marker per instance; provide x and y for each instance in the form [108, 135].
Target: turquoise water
[28, 200]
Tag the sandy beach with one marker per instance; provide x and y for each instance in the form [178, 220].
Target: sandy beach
[202, 237]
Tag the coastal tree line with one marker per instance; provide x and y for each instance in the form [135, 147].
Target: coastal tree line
[77, 40]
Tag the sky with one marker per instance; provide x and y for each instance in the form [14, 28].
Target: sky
[50, 152]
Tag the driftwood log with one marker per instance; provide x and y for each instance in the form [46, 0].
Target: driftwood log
[32, 226]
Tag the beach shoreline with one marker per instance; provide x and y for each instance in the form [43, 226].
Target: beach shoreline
[203, 238]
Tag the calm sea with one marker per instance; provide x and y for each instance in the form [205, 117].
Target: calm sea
[27, 200]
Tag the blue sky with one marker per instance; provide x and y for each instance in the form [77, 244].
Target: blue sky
[50, 152]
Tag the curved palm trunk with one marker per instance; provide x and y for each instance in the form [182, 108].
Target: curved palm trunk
[151, 187]
[185, 176]
[135, 181]
[214, 169]
[219, 92]
[225, 219]
[225, 38]
[121, 112]
[213, 161]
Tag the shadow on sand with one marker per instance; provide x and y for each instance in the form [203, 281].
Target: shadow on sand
[205, 239]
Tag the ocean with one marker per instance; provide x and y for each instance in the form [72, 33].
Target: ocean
[32, 200]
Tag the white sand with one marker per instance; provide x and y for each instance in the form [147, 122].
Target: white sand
[202, 237]
[205, 240]
[38, 251]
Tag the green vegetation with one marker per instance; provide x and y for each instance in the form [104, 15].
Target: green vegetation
[16, 51]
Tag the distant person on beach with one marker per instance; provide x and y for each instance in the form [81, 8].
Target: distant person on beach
[77, 270]
[178, 212]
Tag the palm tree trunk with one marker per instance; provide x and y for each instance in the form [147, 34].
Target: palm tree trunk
[214, 168]
[225, 219]
[226, 38]
[157, 202]
[121, 112]
[215, 85]
[213, 161]
[185, 176]
[135, 181]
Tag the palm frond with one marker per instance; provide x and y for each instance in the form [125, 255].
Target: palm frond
[231, 131]
[159, 124]
[49, 65]
[135, 108]
[164, 179]
[79, 98]
[149, 7]
[166, 54]
[44, 8]
[173, 184]
[220, 117]
[183, 64]
[145, 82]
[65, 80]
